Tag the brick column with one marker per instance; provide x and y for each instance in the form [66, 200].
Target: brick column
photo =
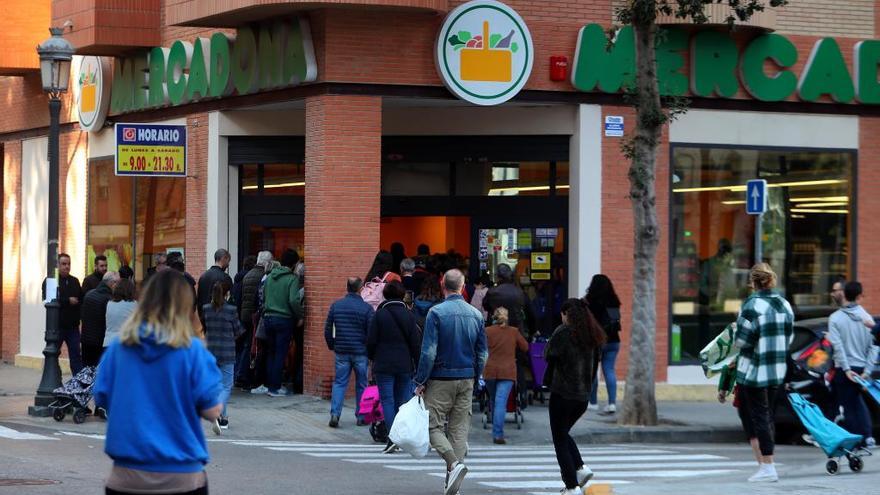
[868, 257]
[196, 195]
[10, 267]
[343, 191]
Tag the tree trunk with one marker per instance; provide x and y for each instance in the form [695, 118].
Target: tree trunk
[639, 405]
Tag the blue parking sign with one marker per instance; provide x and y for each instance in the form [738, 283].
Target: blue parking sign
[756, 197]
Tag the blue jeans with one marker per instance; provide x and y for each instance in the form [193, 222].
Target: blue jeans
[394, 391]
[609, 356]
[499, 390]
[70, 336]
[243, 356]
[856, 416]
[344, 365]
[226, 372]
[278, 332]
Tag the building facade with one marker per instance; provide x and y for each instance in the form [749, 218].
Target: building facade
[495, 130]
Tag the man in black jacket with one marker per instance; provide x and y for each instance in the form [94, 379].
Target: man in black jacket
[69, 297]
[216, 273]
[93, 280]
[250, 286]
[94, 319]
[507, 294]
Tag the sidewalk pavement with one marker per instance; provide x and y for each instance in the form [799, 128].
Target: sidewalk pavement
[304, 419]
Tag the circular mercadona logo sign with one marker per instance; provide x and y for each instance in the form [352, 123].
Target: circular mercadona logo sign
[93, 85]
[484, 52]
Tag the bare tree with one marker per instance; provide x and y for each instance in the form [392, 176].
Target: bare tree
[639, 405]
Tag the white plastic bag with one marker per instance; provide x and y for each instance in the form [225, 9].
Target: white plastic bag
[410, 428]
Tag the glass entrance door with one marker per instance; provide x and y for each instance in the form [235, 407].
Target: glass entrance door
[274, 233]
[538, 258]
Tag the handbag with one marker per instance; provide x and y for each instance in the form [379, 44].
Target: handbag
[261, 330]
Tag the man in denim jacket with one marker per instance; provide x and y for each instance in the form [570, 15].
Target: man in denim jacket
[454, 353]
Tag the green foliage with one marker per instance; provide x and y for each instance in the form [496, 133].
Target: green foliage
[645, 12]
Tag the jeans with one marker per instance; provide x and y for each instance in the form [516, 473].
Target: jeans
[499, 390]
[226, 372]
[394, 391]
[243, 355]
[450, 400]
[345, 363]
[278, 332]
[761, 403]
[856, 418]
[564, 413]
[609, 356]
[70, 336]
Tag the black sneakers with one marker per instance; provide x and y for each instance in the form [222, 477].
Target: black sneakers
[334, 422]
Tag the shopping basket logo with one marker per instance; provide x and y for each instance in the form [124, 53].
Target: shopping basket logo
[484, 52]
[91, 90]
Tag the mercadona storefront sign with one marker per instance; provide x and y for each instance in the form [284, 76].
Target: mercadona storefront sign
[717, 66]
[261, 57]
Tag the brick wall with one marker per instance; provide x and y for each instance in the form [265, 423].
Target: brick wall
[10, 290]
[617, 239]
[868, 256]
[109, 26]
[196, 194]
[838, 18]
[343, 163]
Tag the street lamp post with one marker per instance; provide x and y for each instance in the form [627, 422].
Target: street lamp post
[55, 56]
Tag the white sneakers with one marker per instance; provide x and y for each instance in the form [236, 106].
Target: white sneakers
[584, 474]
[766, 473]
[572, 491]
[215, 427]
[261, 390]
[454, 478]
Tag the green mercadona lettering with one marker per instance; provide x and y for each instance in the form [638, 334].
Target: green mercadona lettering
[265, 56]
[717, 66]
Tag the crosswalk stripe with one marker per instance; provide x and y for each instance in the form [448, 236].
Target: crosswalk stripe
[20, 435]
[544, 459]
[556, 483]
[348, 453]
[625, 474]
[593, 466]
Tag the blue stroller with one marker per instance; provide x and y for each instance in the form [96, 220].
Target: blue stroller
[831, 438]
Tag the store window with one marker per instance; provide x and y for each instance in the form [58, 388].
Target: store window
[131, 219]
[273, 179]
[807, 234]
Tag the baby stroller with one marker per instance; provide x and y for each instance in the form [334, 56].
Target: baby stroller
[74, 397]
[831, 438]
[514, 406]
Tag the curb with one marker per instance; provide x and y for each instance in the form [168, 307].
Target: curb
[660, 434]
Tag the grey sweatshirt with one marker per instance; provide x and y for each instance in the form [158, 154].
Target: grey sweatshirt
[852, 340]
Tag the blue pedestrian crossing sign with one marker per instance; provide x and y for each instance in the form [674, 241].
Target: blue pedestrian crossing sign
[756, 197]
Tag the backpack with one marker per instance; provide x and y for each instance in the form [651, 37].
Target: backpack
[371, 292]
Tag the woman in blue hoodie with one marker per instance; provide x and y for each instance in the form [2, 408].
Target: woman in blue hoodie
[159, 372]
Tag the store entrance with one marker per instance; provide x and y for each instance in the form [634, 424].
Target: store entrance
[482, 201]
[273, 233]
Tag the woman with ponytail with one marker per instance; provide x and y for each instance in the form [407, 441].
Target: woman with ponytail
[572, 354]
[222, 327]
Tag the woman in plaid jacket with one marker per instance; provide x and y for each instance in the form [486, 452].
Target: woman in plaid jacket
[764, 332]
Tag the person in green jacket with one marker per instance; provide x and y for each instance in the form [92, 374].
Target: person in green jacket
[282, 314]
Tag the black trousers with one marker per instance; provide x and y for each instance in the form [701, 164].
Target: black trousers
[91, 354]
[201, 491]
[760, 403]
[564, 413]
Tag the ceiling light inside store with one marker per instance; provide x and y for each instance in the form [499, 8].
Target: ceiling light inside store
[733, 202]
[805, 183]
[823, 198]
[497, 190]
[275, 186]
[807, 210]
[821, 205]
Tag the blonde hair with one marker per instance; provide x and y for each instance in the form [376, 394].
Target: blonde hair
[500, 316]
[164, 312]
[762, 277]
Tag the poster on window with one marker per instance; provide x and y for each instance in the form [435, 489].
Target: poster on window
[151, 150]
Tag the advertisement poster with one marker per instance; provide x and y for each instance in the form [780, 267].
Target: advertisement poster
[151, 150]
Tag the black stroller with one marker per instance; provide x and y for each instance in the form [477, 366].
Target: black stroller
[74, 397]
